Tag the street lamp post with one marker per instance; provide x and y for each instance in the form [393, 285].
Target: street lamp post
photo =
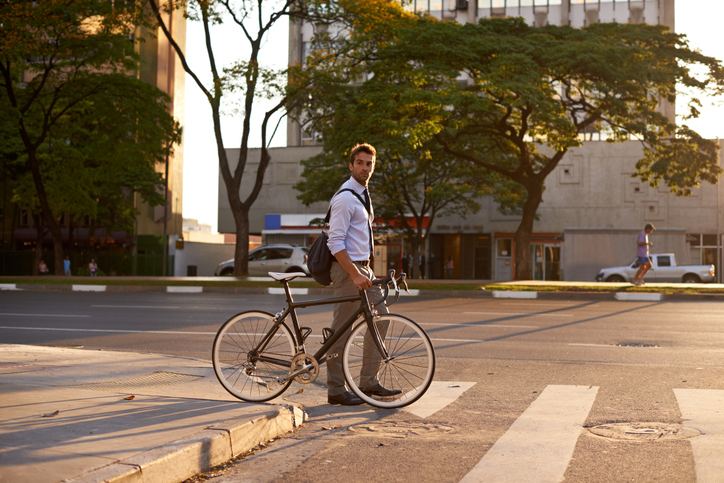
[164, 271]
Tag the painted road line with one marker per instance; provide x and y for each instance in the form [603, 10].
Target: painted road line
[703, 409]
[8, 286]
[505, 294]
[438, 395]
[43, 315]
[540, 443]
[639, 297]
[473, 324]
[518, 314]
[174, 289]
[413, 293]
[114, 331]
[136, 306]
[295, 291]
[89, 288]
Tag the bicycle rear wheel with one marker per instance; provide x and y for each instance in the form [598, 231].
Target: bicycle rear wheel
[409, 370]
[247, 370]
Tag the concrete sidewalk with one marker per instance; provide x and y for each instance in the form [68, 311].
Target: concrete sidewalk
[65, 416]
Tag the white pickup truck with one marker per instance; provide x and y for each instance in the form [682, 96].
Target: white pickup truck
[664, 269]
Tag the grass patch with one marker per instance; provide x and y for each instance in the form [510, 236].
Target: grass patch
[684, 288]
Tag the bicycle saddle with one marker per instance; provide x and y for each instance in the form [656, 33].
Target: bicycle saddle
[286, 276]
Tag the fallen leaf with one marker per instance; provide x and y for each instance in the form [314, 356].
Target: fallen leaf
[130, 398]
[454, 385]
[50, 415]
[300, 391]
[338, 427]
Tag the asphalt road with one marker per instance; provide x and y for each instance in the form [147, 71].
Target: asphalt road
[589, 363]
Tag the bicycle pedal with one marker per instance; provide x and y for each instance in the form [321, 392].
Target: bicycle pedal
[305, 332]
[327, 333]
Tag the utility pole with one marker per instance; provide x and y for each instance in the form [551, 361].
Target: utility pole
[164, 271]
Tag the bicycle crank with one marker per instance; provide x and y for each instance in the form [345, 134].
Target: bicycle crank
[305, 369]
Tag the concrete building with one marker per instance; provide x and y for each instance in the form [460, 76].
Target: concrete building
[592, 208]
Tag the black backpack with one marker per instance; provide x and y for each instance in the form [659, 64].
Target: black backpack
[320, 259]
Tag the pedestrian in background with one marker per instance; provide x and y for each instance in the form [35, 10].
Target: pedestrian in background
[449, 266]
[43, 268]
[93, 267]
[66, 266]
[642, 252]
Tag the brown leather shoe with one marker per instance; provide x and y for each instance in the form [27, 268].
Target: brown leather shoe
[380, 391]
[345, 399]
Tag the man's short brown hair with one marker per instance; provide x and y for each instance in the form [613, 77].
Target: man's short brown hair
[362, 148]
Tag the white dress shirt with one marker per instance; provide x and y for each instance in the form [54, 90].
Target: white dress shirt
[349, 224]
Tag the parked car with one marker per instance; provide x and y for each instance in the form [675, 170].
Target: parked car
[664, 269]
[271, 258]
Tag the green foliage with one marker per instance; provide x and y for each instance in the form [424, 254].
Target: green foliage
[81, 132]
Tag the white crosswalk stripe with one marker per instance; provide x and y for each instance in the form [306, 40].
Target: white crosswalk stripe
[703, 409]
[540, 443]
[438, 395]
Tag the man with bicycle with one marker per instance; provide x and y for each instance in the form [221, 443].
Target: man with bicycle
[351, 243]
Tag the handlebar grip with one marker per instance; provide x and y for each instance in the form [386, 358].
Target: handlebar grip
[387, 279]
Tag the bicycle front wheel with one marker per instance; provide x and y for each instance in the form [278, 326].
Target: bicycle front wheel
[407, 373]
[252, 358]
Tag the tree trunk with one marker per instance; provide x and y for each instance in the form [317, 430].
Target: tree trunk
[47, 213]
[241, 250]
[523, 235]
[39, 233]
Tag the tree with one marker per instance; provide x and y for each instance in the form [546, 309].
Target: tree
[87, 126]
[513, 99]
[415, 182]
[246, 79]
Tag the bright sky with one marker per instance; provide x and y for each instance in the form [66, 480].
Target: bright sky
[700, 20]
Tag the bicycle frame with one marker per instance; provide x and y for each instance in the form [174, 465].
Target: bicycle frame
[290, 309]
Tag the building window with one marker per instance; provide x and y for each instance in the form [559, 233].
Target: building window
[703, 249]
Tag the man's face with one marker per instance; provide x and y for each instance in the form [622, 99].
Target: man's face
[362, 167]
[649, 231]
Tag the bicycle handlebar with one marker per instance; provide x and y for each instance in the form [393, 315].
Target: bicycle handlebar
[396, 283]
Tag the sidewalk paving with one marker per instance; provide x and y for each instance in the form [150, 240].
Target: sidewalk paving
[64, 417]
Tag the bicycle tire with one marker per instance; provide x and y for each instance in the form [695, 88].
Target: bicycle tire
[240, 370]
[410, 369]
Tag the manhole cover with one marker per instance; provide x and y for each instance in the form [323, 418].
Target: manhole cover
[391, 429]
[139, 383]
[644, 431]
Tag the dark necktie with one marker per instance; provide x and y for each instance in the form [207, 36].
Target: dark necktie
[368, 205]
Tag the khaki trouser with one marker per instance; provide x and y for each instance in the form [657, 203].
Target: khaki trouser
[343, 287]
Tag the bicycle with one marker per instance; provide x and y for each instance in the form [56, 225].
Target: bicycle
[256, 356]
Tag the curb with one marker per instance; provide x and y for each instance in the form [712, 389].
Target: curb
[198, 452]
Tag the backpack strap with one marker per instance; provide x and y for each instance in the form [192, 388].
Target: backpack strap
[329, 211]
